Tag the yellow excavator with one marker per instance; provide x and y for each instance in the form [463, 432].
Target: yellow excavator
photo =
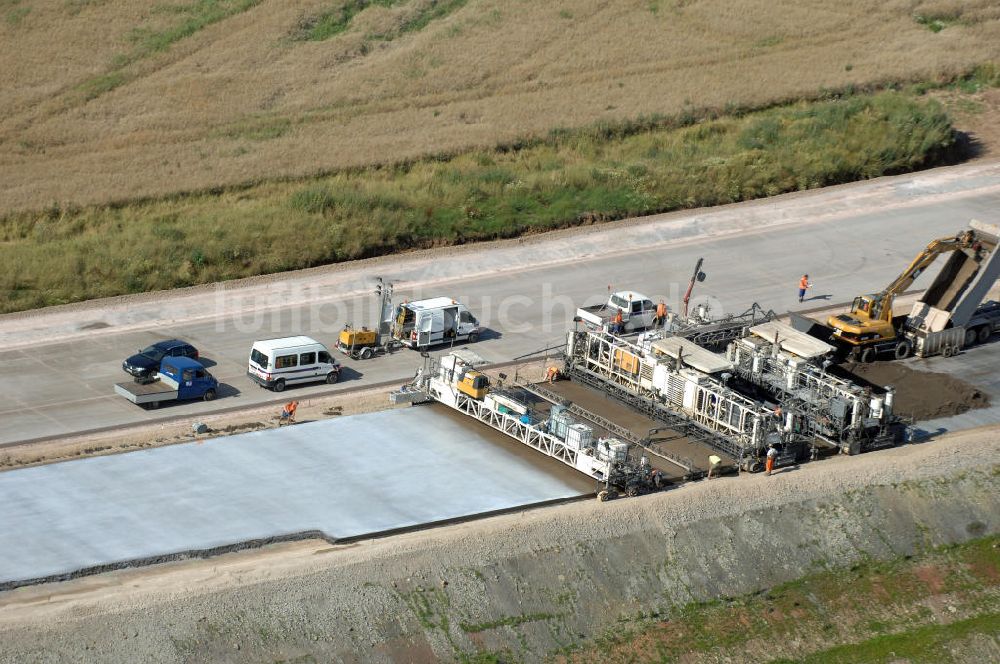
[868, 329]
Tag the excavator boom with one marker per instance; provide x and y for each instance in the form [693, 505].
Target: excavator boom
[926, 257]
[870, 319]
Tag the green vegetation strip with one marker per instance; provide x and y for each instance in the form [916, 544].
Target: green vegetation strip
[573, 177]
[338, 19]
[332, 22]
[507, 621]
[923, 609]
[933, 644]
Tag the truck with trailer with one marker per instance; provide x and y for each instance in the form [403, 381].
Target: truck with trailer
[637, 312]
[179, 379]
[421, 324]
[949, 316]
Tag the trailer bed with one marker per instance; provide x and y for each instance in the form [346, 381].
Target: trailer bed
[601, 312]
[141, 393]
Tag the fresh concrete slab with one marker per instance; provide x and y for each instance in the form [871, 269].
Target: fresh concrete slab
[346, 478]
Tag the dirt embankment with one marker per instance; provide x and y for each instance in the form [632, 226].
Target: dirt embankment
[921, 395]
[938, 607]
[520, 586]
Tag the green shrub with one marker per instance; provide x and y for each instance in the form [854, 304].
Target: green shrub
[315, 200]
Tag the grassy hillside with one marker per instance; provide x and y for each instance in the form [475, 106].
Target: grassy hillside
[112, 101]
[935, 608]
[607, 171]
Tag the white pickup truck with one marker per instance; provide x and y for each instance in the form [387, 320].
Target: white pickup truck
[637, 310]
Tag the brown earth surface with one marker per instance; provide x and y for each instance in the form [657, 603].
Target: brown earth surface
[978, 117]
[921, 395]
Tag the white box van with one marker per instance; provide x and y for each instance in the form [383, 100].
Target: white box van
[275, 363]
[439, 320]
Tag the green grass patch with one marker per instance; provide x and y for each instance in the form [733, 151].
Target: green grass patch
[339, 19]
[981, 78]
[599, 173]
[432, 11]
[98, 85]
[74, 7]
[334, 21]
[430, 606]
[15, 16]
[932, 644]
[183, 20]
[258, 129]
[507, 621]
[936, 22]
[768, 42]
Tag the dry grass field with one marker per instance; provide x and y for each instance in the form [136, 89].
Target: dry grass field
[113, 100]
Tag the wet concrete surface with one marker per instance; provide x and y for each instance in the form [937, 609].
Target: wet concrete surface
[339, 478]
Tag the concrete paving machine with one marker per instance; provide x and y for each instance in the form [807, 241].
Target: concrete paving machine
[760, 395]
[455, 381]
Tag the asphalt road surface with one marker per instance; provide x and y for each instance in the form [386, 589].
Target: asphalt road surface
[58, 367]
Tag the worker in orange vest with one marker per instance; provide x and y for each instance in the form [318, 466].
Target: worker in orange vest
[803, 285]
[552, 374]
[288, 412]
[772, 454]
[618, 326]
[661, 314]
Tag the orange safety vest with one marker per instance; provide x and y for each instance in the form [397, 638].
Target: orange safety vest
[661, 310]
[803, 283]
[618, 316]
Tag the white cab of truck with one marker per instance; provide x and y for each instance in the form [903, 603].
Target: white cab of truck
[637, 310]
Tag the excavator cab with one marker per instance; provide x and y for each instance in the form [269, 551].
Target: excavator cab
[870, 320]
[867, 307]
